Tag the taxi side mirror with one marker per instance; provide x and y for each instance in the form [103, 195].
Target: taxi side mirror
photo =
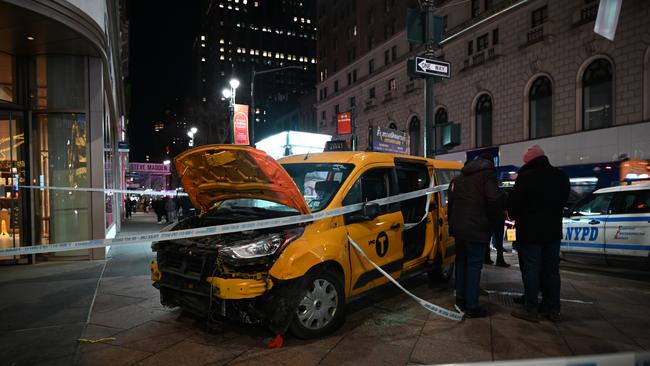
[370, 211]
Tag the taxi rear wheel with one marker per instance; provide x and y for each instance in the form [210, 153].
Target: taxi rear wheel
[320, 308]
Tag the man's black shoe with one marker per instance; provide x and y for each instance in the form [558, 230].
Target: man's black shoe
[525, 314]
[553, 316]
[479, 312]
[519, 299]
[502, 264]
[488, 261]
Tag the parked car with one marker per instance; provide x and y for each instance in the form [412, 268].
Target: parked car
[300, 276]
[612, 224]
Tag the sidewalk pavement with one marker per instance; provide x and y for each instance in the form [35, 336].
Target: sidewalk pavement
[602, 314]
[45, 307]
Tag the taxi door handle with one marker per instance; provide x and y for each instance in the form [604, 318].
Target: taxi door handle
[395, 226]
[594, 222]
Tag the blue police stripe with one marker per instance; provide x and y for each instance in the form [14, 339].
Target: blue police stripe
[605, 246]
[628, 219]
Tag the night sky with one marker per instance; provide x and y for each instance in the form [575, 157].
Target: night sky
[161, 34]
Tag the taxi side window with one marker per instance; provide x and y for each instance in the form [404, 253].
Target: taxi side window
[372, 185]
[632, 202]
[597, 204]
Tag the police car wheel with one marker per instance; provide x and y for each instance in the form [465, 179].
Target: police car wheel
[320, 308]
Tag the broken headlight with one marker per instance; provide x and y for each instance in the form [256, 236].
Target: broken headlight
[259, 247]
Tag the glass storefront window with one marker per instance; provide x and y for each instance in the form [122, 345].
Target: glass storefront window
[109, 182]
[6, 78]
[60, 82]
[62, 150]
[12, 175]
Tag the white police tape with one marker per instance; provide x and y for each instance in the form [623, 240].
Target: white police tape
[458, 316]
[212, 230]
[101, 190]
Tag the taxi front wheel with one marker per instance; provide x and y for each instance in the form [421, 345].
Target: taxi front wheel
[320, 309]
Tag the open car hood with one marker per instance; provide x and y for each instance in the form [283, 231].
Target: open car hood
[215, 173]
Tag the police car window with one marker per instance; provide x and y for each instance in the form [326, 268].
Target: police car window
[632, 202]
[597, 204]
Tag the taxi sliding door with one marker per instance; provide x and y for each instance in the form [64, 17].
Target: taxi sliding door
[628, 228]
[584, 231]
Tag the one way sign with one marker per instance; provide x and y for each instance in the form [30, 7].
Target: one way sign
[429, 67]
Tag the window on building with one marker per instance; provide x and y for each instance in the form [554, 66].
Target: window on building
[392, 84]
[597, 95]
[336, 65]
[393, 52]
[444, 23]
[441, 116]
[470, 47]
[386, 57]
[371, 92]
[414, 136]
[336, 109]
[495, 36]
[353, 102]
[539, 16]
[488, 4]
[323, 115]
[482, 42]
[476, 8]
[484, 121]
[388, 5]
[349, 78]
[325, 92]
[540, 108]
[371, 66]
[336, 86]
[371, 42]
[354, 75]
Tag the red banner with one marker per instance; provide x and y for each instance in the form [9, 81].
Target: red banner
[344, 123]
[240, 124]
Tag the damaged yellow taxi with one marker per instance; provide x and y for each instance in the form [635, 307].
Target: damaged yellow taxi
[298, 277]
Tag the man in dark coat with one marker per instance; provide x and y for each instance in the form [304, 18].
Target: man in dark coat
[473, 208]
[536, 203]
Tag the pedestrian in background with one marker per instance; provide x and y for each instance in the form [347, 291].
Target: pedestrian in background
[497, 234]
[536, 203]
[473, 205]
[170, 208]
[159, 208]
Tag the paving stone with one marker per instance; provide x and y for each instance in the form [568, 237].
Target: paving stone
[602, 329]
[365, 351]
[591, 346]
[434, 350]
[467, 331]
[191, 353]
[509, 347]
[111, 356]
[125, 317]
[152, 336]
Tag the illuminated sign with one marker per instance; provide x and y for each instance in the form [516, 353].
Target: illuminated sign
[240, 124]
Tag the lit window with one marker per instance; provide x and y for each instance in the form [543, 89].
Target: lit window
[221, 41]
[221, 57]
[308, 21]
[202, 44]
[202, 59]
[245, 2]
[252, 52]
[203, 38]
[221, 49]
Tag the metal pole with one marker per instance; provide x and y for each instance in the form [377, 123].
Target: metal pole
[353, 116]
[429, 130]
[252, 116]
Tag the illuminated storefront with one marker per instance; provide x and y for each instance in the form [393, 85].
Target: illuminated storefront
[60, 111]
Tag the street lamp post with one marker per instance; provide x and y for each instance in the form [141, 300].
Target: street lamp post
[251, 112]
[191, 134]
[230, 95]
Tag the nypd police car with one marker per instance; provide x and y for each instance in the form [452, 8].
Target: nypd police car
[613, 223]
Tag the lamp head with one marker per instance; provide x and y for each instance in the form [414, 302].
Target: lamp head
[234, 83]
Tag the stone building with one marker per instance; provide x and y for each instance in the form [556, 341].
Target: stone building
[521, 70]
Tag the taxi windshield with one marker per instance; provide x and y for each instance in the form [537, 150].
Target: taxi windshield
[318, 182]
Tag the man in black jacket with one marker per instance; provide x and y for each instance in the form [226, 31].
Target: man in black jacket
[473, 209]
[536, 203]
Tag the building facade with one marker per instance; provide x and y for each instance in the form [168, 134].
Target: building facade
[61, 120]
[242, 38]
[522, 70]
